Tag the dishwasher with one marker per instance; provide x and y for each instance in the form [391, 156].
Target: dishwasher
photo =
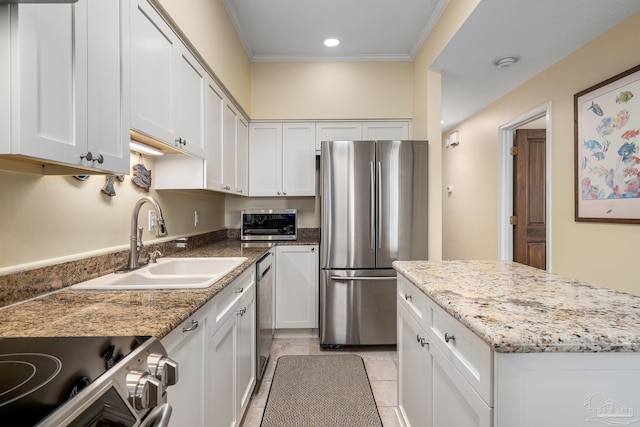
[265, 313]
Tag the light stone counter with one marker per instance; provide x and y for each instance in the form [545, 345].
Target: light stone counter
[519, 309]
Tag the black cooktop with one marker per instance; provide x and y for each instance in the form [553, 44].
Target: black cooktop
[37, 375]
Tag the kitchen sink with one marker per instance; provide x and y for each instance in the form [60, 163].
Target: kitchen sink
[168, 273]
[195, 266]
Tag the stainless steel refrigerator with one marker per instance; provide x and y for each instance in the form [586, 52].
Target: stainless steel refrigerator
[374, 211]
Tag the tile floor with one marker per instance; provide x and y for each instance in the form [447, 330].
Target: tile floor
[381, 364]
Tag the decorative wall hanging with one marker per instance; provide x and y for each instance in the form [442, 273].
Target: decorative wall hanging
[108, 188]
[141, 175]
[607, 150]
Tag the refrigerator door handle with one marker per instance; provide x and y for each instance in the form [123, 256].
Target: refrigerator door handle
[363, 278]
[372, 206]
[379, 173]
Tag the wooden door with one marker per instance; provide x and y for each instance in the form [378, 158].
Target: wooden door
[530, 223]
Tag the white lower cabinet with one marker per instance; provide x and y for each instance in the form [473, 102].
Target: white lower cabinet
[297, 286]
[432, 392]
[187, 345]
[413, 371]
[215, 349]
[455, 379]
[231, 355]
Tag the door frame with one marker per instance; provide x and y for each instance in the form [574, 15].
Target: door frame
[505, 181]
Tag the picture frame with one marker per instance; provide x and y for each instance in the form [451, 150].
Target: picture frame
[607, 150]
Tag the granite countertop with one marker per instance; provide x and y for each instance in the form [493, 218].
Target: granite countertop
[519, 309]
[73, 312]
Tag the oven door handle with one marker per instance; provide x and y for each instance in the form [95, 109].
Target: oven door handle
[158, 417]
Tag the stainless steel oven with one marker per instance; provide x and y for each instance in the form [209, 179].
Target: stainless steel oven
[269, 224]
[85, 381]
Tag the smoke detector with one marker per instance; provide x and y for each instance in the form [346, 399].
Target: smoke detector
[506, 61]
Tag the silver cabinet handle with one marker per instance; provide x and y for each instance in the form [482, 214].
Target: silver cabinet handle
[241, 311]
[89, 156]
[422, 340]
[239, 290]
[194, 325]
[448, 337]
[313, 249]
[408, 297]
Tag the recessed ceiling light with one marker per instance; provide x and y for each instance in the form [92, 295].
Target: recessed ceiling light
[331, 42]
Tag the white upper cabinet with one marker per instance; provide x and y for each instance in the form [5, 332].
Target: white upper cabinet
[213, 131]
[338, 131]
[365, 130]
[385, 131]
[154, 55]
[190, 103]
[282, 159]
[168, 83]
[298, 159]
[66, 69]
[229, 146]
[265, 159]
[242, 157]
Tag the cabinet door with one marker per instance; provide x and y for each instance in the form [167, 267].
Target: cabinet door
[222, 376]
[215, 153]
[338, 131]
[265, 159]
[242, 157]
[413, 371]
[297, 286]
[187, 396]
[190, 92]
[246, 351]
[229, 144]
[298, 159]
[384, 131]
[452, 401]
[109, 113]
[50, 92]
[153, 60]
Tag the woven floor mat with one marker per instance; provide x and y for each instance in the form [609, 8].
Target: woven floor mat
[320, 391]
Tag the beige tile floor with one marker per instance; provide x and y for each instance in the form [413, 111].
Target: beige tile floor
[381, 364]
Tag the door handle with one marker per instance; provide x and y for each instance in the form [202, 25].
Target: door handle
[372, 205]
[363, 278]
[378, 174]
[264, 273]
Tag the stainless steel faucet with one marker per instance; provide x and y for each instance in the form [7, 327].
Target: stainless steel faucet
[135, 238]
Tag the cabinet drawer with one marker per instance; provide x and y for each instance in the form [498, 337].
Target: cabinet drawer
[414, 300]
[228, 298]
[194, 322]
[452, 401]
[471, 356]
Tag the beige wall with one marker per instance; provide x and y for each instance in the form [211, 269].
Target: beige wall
[209, 28]
[331, 90]
[51, 219]
[605, 254]
[426, 109]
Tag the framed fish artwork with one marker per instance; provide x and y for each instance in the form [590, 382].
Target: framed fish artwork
[607, 150]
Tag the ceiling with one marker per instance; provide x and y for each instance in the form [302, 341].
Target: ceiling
[540, 32]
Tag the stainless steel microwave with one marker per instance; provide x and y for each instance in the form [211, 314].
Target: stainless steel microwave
[269, 224]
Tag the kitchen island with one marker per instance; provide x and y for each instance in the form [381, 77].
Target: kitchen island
[502, 344]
